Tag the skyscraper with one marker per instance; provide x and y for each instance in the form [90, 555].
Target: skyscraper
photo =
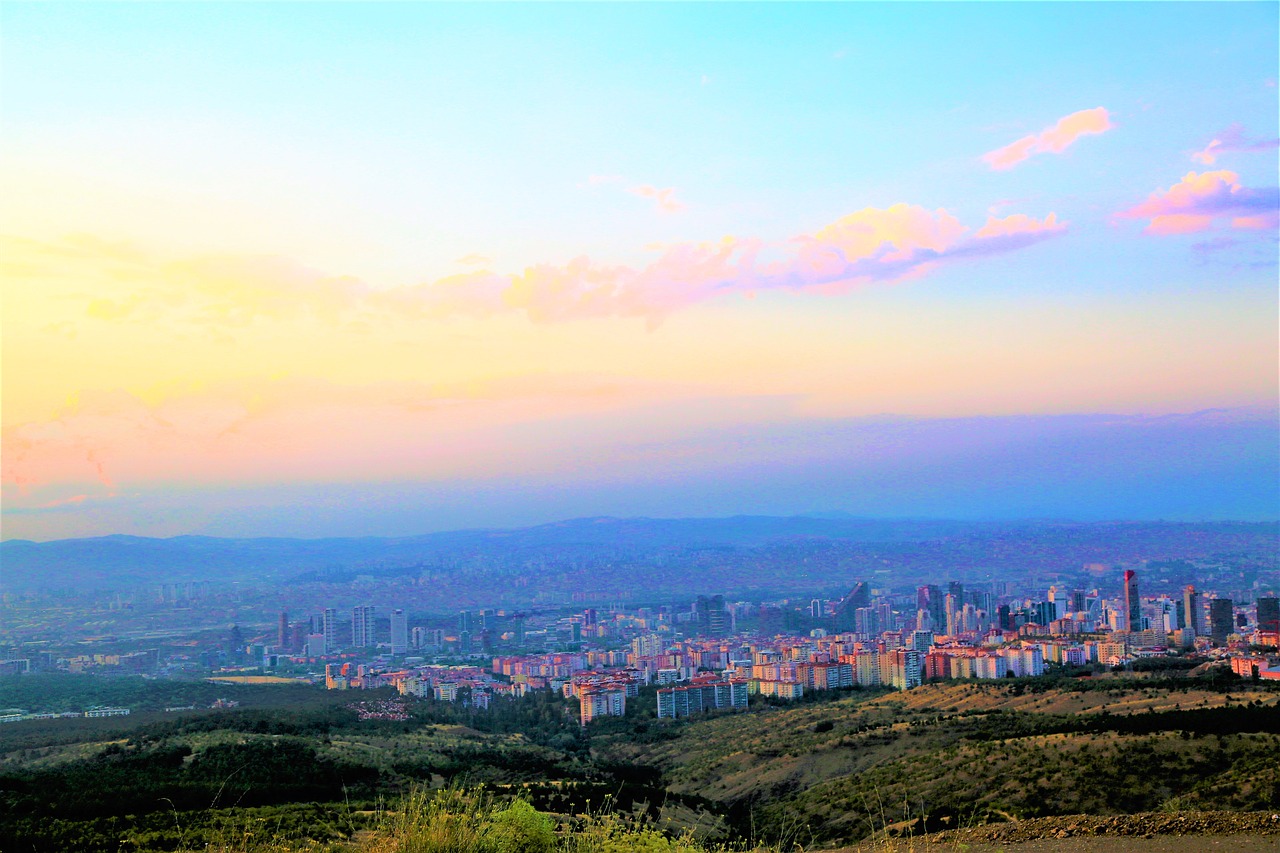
[282, 631]
[1269, 614]
[712, 618]
[362, 633]
[1192, 612]
[330, 626]
[858, 597]
[930, 598]
[1221, 619]
[399, 632]
[1132, 605]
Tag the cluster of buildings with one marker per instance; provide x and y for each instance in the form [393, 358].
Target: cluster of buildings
[131, 663]
[330, 632]
[861, 639]
[469, 684]
[14, 715]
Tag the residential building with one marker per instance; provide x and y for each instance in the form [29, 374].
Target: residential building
[399, 632]
[362, 627]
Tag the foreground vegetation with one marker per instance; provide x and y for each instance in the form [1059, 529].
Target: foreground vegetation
[315, 773]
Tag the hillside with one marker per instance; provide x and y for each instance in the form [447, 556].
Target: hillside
[946, 755]
[732, 552]
[313, 767]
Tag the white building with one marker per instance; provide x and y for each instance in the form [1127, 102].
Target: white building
[399, 632]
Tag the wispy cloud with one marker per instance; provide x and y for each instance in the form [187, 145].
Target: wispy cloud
[665, 199]
[1199, 201]
[1052, 140]
[870, 245]
[1231, 141]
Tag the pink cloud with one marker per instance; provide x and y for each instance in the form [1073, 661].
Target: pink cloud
[871, 245]
[1017, 224]
[664, 198]
[1051, 140]
[1232, 140]
[74, 500]
[1199, 200]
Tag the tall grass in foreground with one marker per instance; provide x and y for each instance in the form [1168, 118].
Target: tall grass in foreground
[469, 821]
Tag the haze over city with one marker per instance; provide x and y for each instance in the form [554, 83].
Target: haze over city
[392, 269]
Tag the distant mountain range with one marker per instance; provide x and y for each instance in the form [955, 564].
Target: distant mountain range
[114, 561]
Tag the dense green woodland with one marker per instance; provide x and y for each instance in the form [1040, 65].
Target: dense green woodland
[296, 763]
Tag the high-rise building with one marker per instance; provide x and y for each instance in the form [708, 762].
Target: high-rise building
[1269, 615]
[712, 618]
[602, 703]
[1192, 611]
[282, 631]
[362, 627]
[904, 668]
[1132, 604]
[930, 598]
[1221, 621]
[858, 597]
[399, 632]
[1058, 598]
[330, 630]
[423, 638]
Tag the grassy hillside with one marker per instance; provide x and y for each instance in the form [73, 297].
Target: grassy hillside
[835, 769]
[972, 753]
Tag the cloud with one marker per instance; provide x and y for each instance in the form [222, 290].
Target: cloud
[473, 259]
[870, 245]
[1051, 140]
[1199, 201]
[1232, 140]
[897, 243]
[664, 199]
[1217, 244]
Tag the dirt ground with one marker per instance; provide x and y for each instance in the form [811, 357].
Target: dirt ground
[1158, 844]
[1186, 832]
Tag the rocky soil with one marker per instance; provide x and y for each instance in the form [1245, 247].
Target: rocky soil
[1150, 832]
[1145, 825]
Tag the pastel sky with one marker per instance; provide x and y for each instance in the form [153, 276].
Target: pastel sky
[344, 269]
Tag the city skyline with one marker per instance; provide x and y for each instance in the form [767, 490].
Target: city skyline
[383, 270]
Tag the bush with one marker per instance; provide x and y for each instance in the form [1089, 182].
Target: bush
[520, 829]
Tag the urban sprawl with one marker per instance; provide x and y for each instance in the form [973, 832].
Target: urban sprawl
[716, 654]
